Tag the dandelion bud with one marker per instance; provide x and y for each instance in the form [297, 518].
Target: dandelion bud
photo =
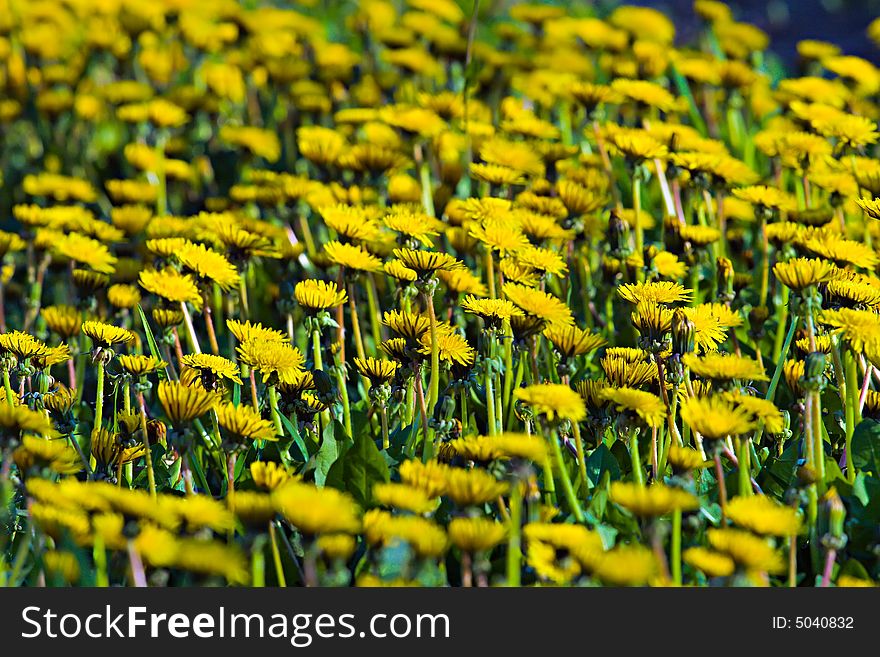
[835, 539]
[157, 432]
[757, 317]
[814, 368]
[725, 280]
[836, 512]
[683, 333]
[618, 235]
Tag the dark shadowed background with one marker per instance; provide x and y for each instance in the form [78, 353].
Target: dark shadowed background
[788, 21]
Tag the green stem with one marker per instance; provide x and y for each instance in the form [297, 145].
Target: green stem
[10, 397]
[276, 415]
[567, 487]
[316, 349]
[276, 556]
[99, 395]
[676, 547]
[374, 312]
[579, 444]
[638, 472]
[192, 338]
[514, 538]
[434, 382]
[343, 392]
[356, 326]
[745, 476]
[852, 402]
[383, 416]
[99, 555]
[148, 456]
[490, 402]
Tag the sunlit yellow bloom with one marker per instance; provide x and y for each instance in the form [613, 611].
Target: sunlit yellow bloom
[404, 496]
[352, 257]
[138, 365]
[36, 453]
[269, 475]
[721, 366]
[764, 516]
[378, 371]
[106, 335]
[184, 403]
[504, 446]
[747, 550]
[317, 510]
[214, 366]
[655, 500]
[245, 331]
[573, 341]
[208, 265]
[271, 358]
[63, 320]
[172, 286]
[626, 565]
[716, 418]
[243, 423]
[647, 406]
[318, 295]
[554, 401]
[713, 564]
[665, 292]
[476, 534]
[539, 304]
[424, 537]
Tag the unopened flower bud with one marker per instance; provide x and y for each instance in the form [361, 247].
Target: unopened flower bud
[683, 333]
[618, 235]
[725, 280]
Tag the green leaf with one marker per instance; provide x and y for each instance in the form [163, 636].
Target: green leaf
[866, 447]
[600, 462]
[151, 342]
[297, 438]
[331, 449]
[364, 466]
[196, 466]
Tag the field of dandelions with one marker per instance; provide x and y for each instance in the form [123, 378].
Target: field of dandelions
[405, 293]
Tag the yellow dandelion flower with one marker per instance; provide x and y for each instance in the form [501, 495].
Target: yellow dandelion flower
[655, 500]
[138, 365]
[316, 295]
[648, 406]
[665, 292]
[764, 516]
[476, 534]
[716, 418]
[539, 304]
[172, 286]
[269, 475]
[183, 403]
[747, 550]
[106, 335]
[724, 367]
[243, 423]
[404, 496]
[554, 401]
[572, 341]
[207, 264]
[246, 331]
[352, 257]
[317, 510]
[713, 564]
